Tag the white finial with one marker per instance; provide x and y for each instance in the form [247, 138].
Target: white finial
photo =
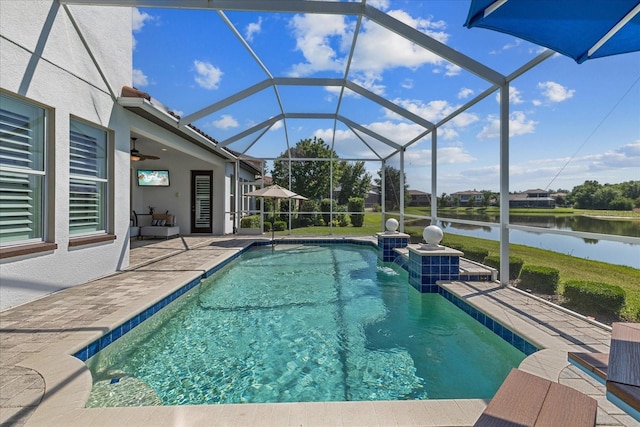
[392, 225]
[433, 236]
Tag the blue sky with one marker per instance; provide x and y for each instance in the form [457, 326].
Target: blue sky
[568, 122]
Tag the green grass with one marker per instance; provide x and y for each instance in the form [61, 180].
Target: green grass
[571, 268]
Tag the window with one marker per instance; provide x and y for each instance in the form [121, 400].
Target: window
[22, 171]
[87, 179]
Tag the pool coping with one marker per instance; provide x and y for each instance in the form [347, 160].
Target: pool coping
[68, 381]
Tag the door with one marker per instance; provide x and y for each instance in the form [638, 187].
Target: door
[201, 206]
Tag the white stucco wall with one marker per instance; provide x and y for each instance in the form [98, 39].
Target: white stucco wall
[44, 60]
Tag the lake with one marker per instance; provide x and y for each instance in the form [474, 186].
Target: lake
[612, 252]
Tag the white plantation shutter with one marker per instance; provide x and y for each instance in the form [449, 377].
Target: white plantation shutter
[88, 179]
[22, 171]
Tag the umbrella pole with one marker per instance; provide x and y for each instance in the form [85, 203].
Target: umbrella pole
[273, 223]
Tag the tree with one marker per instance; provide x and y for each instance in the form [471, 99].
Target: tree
[582, 195]
[392, 188]
[355, 182]
[310, 178]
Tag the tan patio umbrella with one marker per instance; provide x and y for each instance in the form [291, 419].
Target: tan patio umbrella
[274, 192]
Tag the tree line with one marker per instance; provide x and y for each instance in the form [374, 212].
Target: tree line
[313, 179]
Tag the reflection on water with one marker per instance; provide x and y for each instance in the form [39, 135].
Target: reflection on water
[599, 250]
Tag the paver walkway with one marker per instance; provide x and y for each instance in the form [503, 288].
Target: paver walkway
[36, 339]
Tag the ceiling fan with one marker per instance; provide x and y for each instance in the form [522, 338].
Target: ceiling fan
[136, 155]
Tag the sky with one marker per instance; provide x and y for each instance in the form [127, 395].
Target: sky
[569, 122]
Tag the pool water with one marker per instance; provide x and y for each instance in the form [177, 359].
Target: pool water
[303, 324]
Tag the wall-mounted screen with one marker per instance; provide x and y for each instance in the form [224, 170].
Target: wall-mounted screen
[153, 178]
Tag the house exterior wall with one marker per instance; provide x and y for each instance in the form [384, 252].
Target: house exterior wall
[45, 62]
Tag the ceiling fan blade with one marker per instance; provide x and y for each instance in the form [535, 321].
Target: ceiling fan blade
[146, 157]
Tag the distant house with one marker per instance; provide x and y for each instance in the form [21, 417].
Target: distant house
[419, 198]
[468, 197]
[532, 199]
[370, 199]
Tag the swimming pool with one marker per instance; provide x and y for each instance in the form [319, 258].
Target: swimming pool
[303, 323]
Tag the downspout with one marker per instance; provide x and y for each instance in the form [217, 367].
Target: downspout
[504, 184]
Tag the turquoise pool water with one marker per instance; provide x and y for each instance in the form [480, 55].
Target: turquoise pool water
[303, 323]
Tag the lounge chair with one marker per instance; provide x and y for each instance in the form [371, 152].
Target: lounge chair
[619, 369]
[524, 399]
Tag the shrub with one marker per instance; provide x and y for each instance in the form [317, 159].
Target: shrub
[543, 280]
[475, 254]
[267, 226]
[515, 265]
[356, 204]
[279, 226]
[376, 207]
[251, 221]
[307, 219]
[305, 222]
[594, 297]
[340, 216]
[325, 207]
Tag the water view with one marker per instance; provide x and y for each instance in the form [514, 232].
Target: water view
[608, 251]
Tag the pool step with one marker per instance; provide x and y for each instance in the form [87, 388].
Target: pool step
[469, 270]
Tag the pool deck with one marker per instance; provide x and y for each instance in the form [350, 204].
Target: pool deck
[41, 384]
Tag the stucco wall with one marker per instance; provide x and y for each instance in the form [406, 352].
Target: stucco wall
[44, 60]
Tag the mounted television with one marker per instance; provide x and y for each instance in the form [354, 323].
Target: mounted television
[153, 178]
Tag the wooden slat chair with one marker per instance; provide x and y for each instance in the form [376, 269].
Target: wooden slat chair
[623, 375]
[528, 400]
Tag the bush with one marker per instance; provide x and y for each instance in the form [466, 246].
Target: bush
[251, 221]
[307, 219]
[376, 207]
[267, 226]
[279, 226]
[543, 280]
[340, 216]
[515, 265]
[325, 207]
[356, 204]
[475, 254]
[594, 297]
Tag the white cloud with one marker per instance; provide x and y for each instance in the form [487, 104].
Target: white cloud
[514, 96]
[226, 121]
[465, 92]
[518, 125]
[506, 47]
[139, 78]
[277, 125]
[325, 40]
[446, 155]
[436, 110]
[252, 29]
[139, 19]
[380, 49]
[627, 156]
[314, 34]
[452, 70]
[207, 76]
[447, 133]
[555, 92]
[407, 84]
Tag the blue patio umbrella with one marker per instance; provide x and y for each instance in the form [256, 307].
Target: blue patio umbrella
[580, 29]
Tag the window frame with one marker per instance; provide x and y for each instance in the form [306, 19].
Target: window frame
[40, 119]
[101, 179]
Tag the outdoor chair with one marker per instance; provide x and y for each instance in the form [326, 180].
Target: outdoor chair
[524, 399]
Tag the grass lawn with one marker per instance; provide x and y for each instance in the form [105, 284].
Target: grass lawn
[570, 268]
